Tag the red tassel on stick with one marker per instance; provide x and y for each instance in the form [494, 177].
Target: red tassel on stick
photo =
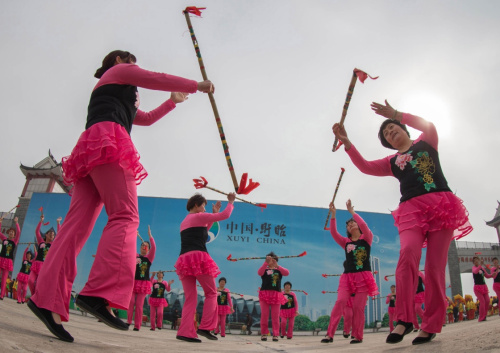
[194, 10]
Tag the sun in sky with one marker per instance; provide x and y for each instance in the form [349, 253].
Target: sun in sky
[430, 107]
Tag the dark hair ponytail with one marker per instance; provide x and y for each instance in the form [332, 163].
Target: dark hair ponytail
[110, 60]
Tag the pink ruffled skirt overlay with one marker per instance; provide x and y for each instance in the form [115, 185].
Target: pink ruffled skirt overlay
[272, 297]
[141, 286]
[22, 277]
[102, 143]
[6, 264]
[433, 212]
[288, 313]
[195, 263]
[358, 282]
[419, 297]
[223, 309]
[157, 302]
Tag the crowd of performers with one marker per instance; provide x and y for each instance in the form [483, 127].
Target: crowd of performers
[104, 170]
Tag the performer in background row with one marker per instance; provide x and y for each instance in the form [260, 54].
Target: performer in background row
[104, 169]
[9, 243]
[288, 311]
[428, 213]
[23, 275]
[480, 288]
[44, 243]
[419, 300]
[391, 300]
[157, 301]
[224, 307]
[195, 264]
[357, 277]
[270, 295]
[142, 284]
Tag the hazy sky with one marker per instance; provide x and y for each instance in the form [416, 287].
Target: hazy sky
[281, 70]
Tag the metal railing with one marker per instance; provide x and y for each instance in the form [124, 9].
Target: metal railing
[477, 245]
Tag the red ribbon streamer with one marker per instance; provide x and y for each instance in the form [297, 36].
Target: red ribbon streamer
[362, 76]
[194, 10]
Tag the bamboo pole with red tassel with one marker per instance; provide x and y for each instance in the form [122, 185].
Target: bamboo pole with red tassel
[229, 258]
[342, 170]
[242, 188]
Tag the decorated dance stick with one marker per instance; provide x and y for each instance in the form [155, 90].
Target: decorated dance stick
[263, 258]
[165, 271]
[333, 199]
[142, 240]
[41, 210]
[386, 278]
[328, 291]
[12, 209]
[241, 295]
[242, 188]
[203, 183]
[299, 290]
[356, 73]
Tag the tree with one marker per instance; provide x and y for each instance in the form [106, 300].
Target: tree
[303, 323]
[322, 322]
[385, 320]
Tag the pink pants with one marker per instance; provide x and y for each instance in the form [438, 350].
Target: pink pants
[264, 318]
[392, 314]
[209, 317]
[347, 314]
[221, 324]
[21, 291]
[484, 303]
[358, 313]
[32, 280]
[137, 302]
[418, 312]
[5, 274]
[496, 288]
[156, 316]
[407, 276]
[291, 323]
[112, 274]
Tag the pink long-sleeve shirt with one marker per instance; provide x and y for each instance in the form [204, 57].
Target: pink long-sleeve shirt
[264, 267]
[367, 234]
[382, 167]
[203, 219]
[131, 74]
[16, 237]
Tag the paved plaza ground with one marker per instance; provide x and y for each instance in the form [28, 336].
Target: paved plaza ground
[21, 331]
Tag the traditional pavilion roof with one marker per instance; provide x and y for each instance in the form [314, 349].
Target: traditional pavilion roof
[47, 166]
[496, 220]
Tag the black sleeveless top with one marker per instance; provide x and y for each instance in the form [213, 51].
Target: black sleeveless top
[357, 255]
[478, 278]
[290, 304]
[116, 103]
[392, 302]
[497, 278]
[43, 249]
[158, 290]
[8, 248]
[142, 268]
[193, 239]
[222, 298]
[26, 267]
[420, 287]
[271, 280]
[418, 171]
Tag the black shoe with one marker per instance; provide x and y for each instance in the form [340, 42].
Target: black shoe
[19, 303]
[346, 335]
[188, 339]
[327, 340]
[289, 338]
[223, 335]
[416, 330]
[97, 306]
[207, 334]
[395, 337]
[282, 336]
[420, 340]
[159, 328]
[275, 339]
[136, 329]
[151, 329]
[46, 317]
[263, 338]
[356, 341]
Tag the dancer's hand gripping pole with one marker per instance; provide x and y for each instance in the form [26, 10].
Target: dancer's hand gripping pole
[356, 73]
[333, 198]
[242, 188]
